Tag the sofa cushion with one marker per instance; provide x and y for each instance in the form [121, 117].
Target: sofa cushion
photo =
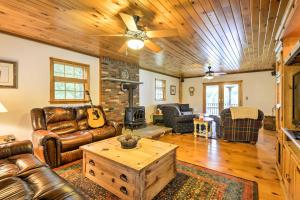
[15, 188]
[187, 113]
[48, 185]
[14, 148]
[7, 169]
[74, 140]
[18, 164]
[58, 114]
[25, 162]
[81, 113]
[83, 124]
[185, 119]
[184, 107]
[103, 133]
[63, 127]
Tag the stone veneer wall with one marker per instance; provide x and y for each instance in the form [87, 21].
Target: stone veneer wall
[113, 100]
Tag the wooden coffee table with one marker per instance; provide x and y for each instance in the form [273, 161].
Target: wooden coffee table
[138, 173]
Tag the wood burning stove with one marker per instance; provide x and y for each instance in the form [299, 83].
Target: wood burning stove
[134, 115]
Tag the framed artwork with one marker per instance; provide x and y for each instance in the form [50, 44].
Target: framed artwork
[8, 74]
[173, 90]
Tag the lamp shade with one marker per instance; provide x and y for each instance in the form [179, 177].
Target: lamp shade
[2, 108]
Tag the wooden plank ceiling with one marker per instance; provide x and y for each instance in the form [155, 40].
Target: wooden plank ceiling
[231, 35]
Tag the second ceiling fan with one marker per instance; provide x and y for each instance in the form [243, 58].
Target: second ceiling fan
[137, 37]
[211, 74]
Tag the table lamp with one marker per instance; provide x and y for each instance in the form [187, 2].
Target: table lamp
[2, 108]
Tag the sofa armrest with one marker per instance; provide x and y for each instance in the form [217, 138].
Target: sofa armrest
[116, 125]
[47, 147]
[185, 118]
[15, 148]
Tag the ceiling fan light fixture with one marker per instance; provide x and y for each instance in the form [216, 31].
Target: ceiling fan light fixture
[209, 77]
[135, 44]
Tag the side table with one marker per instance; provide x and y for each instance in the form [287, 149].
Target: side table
[206, 121]
[157, 118]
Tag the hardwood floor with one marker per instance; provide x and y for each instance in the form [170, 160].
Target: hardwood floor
[252, 162]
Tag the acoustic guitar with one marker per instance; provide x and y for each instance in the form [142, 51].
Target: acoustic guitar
[94, 115]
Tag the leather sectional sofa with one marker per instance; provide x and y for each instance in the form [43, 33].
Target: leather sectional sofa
[60, 131]
[23, 176]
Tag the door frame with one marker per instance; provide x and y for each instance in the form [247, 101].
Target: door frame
[221, 92]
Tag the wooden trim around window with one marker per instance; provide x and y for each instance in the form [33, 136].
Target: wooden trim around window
[164, 90]
[221, 92]
[86, 81]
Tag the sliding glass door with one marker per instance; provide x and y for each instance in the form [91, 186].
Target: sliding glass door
[221, 95]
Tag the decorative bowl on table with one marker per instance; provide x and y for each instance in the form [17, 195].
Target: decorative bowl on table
[128, 141]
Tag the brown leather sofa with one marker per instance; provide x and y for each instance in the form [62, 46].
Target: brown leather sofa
[60, 131]
[23, 176]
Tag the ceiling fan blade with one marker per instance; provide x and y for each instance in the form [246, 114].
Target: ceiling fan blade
[162, 33]
[108, 35]
[123, 48]
[129, 21]
[219, 73]
[152, 46]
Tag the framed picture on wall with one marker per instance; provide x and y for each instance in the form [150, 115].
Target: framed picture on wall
[173, 90]
[8, 74]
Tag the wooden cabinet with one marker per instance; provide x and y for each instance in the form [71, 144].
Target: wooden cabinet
[291, 172]
[279, 156]
[287, 50]
[292, 179]
[297, 183]
[286, 167]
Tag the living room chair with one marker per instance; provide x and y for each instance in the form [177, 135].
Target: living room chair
[240, 130]
[176, 120]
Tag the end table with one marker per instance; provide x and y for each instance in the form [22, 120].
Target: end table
[157, 118]
[203, 122]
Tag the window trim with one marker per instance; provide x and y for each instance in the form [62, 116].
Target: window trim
[164, 89]
[86, 67]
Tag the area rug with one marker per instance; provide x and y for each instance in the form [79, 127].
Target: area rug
[191, 182]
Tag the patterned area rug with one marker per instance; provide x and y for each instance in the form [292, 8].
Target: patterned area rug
[191, 182]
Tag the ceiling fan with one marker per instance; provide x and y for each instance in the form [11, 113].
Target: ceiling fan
[211, 74]
[138, 37]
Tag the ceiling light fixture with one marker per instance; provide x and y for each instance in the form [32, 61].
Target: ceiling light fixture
[209, 76]
[135, 44]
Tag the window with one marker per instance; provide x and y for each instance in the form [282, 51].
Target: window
[160, 90]
[68, 81]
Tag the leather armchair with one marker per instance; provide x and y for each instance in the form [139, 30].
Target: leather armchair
[176, 120]
[23, 176]
[60, 131]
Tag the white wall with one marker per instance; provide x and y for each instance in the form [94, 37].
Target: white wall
[258, 90]
[34, 81]
[147, 91]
